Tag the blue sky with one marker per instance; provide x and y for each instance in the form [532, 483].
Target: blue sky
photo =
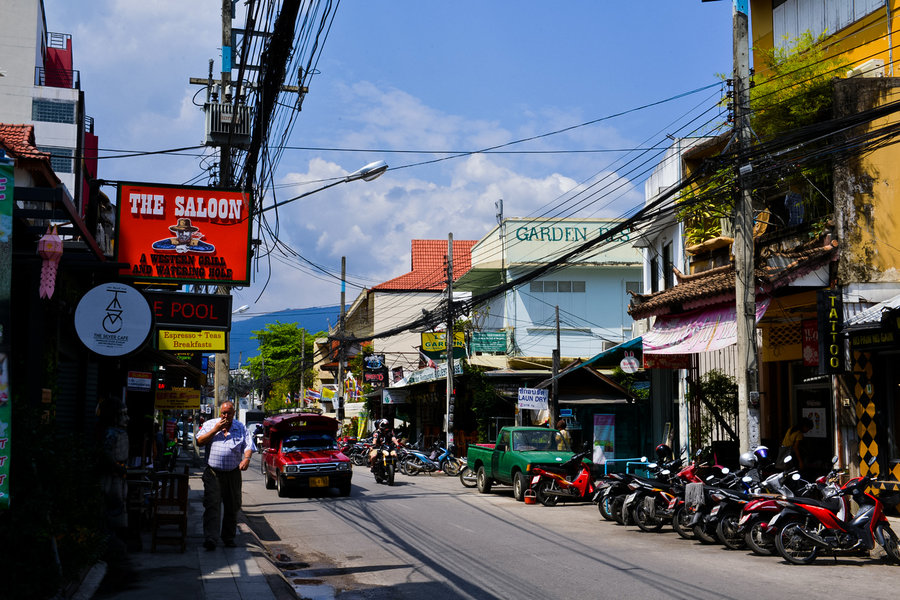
[408, 75]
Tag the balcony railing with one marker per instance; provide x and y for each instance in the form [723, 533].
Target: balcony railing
[58, 78]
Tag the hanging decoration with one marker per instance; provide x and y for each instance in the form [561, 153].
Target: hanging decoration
[50, 248]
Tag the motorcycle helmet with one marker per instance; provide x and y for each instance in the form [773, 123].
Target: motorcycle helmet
[762, 455]
[663, 453]
[383, 424]
[748, 460]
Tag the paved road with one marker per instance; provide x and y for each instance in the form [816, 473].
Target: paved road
[429, 537]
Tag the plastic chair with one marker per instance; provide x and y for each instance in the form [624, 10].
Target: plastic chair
[170, 508]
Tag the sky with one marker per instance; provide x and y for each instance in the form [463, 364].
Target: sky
[419, 79]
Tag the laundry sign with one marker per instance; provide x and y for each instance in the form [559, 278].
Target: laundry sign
[533, 399]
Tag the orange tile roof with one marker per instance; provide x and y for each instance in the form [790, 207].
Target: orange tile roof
[428, 269]
[18, 141]
[717, 285]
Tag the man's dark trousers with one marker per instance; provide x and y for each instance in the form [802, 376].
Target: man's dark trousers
[221, 488]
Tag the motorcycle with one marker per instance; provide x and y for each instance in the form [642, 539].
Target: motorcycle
[756, 516]
[438, 459]
[572, 481]
[384, 464]
[811, 527]
[467, 475]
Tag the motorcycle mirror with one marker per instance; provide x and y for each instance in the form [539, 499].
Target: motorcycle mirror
[746, 479]
[725, 470]
[643, 459]
[834, 460]
[788, 458]
[665, 472]
[795, 476]
[651, 465]
[710, 478]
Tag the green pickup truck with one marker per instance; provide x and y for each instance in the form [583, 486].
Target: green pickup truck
[517, 450]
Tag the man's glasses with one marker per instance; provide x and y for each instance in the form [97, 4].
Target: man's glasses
[227, 412]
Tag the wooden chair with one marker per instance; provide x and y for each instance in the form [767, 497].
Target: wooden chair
[170, 508]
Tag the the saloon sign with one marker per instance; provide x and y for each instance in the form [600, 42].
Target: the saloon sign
[183, 234]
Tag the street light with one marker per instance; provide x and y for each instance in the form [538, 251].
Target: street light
[240, 309]
[370, 172]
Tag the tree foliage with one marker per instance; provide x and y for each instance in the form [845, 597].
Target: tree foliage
[278, 368]
[721, 394]
[793, 89]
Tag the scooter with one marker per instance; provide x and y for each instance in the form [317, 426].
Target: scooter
[812, 527]
[573, 481]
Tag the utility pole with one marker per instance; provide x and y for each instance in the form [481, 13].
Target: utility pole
[554, 394]
[448, 341]
[221, 360]
[744, 289]
[302, 366]
[339, 409]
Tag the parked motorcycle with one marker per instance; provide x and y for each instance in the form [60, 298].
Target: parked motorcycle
[573, 481]
[756, 516]
[812, 527]
[467, 475]
[384, 465]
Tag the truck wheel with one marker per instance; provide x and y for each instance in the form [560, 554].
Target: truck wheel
[282, 487]
[270, 482]
[520, 484]
[484, 484]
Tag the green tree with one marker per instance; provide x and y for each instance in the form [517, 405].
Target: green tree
[793, 89]
[718, 395]
[278, 367]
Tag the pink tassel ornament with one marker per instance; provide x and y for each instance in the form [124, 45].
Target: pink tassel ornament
[50, 248]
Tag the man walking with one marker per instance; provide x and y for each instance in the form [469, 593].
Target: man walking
[228, 449]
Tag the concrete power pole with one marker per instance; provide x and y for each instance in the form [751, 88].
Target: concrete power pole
[554, 390]
[221, 360]
[448, 342]
[745, 288]
[339, 409]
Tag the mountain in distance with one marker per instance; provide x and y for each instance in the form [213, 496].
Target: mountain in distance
[243, 345]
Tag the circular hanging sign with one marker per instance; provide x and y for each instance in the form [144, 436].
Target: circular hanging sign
[629, 364]
[113, 319]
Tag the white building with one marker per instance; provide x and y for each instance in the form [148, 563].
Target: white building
[40, 86]
[591, 289]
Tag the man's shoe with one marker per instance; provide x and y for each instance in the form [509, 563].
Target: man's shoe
[209, 545]
[230, 544]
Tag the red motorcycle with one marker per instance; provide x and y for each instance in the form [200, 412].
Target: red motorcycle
[808, 528]
[573, 481]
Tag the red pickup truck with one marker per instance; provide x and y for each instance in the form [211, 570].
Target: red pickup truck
[299, 451]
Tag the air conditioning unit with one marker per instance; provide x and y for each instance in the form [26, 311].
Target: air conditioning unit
[227, 124]
[870, 68]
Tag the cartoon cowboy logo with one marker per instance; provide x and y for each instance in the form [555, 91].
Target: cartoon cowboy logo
[187, 239]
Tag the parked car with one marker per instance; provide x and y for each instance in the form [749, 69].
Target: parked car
[300, 451]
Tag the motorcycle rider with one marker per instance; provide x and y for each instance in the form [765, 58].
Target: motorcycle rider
[383, 434]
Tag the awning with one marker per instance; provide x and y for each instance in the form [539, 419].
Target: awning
[696, 331]
[614, 356]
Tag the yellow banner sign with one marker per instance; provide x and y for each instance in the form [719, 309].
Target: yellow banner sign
[178, 399]
[194, 341]
[435, 341]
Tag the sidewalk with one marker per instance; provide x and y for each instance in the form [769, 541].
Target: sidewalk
[243, 572]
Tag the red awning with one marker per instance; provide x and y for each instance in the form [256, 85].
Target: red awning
[696, 331]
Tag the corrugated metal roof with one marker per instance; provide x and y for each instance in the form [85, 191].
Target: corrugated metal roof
[871, 316]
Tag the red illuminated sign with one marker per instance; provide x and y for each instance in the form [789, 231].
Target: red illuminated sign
[183, 234]
[201, 311]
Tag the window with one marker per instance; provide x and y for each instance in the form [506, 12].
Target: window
[668, 273]
[793, 17]
[636, 287]
[60, 158]
[53, 111]
[654, 274]
[553, 287]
